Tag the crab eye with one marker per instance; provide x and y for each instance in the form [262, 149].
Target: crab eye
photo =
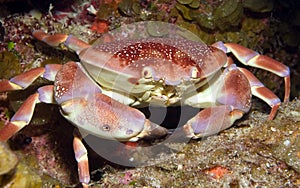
[147, 73]
[105, 127]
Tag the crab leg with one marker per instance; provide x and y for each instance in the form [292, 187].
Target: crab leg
[21, 81]
[260, 91]
[251, 58]
[211, 121]
[21, 118]
[25, 79]
[231, 103]
[24, 114]
[82, 160]
[54, 40]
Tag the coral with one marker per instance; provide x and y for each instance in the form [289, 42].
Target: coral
[99, 26]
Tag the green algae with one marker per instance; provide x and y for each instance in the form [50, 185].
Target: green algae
[222, 16]
[185, 2]
[15, 174]
[10, 46]
[9, 65]
[8, 160]
[106, 10]
[260, 6]
[129, 7]
[185, 11]
[24, 177]
[194, 4]
[228, 14]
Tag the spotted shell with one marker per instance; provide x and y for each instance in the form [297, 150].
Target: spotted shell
[136, 62]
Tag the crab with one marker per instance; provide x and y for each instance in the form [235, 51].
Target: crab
[98, 94]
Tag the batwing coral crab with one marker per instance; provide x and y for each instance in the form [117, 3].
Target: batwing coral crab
[166, 68]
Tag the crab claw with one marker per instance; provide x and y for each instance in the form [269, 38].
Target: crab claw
[107, 118]
[150, 131]
[83, 103]
[211, 121]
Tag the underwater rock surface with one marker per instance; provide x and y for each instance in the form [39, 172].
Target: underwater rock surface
[255, 152]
